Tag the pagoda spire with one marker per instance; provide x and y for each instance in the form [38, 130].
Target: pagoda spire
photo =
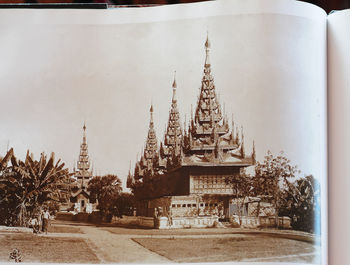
[83, 174]
[242, 144]
[151, 116]
[207, 48]
[83, 163]
[151, 146]
[173, 134]
[254, 153]
[208, 114]
[174, 82]
[130, 179]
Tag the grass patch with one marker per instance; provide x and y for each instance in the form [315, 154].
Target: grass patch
[46, 249]
[230, 249]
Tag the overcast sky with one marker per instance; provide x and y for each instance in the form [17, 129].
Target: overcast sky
[267, 69]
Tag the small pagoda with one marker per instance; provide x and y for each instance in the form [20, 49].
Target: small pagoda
[80, 197]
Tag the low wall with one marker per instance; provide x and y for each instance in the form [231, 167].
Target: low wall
[262, 221]
[163, 222]
[197, 222]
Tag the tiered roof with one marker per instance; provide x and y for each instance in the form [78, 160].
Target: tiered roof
[145, 166]
[83, 165]
[172, 147]
[209, 141]
[151, 147]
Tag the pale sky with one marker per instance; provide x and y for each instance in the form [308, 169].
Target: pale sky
[267, 70]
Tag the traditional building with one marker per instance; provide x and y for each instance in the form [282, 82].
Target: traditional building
[187, 176]
[80, 196]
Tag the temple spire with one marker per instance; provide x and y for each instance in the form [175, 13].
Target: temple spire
[151, 116]
[130, 179]
[151, 145]
[242, 144]
[84, 133]
[207, 48]
[174, 82]
[83, 174]
[83, 163]
[173, 134]
[208, 115]
[174, 89]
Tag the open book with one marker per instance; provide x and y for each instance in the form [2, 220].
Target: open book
[177, 99]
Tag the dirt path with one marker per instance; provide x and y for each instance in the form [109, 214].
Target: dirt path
[113, 248]
[120, 248]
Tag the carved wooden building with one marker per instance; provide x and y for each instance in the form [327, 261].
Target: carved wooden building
[186, 175]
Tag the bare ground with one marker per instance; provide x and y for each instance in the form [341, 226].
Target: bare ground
[35, 248]
[86, 243]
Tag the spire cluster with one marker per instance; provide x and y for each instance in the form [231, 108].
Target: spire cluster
[208, 138]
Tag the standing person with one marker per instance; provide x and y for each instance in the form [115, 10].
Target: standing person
[35, 224]
[45, 220]
[155, 218]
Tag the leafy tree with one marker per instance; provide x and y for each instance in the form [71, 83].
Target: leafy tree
[105, 190]
[241, 188]
[302, 204]
[272, 178]
[7, 202]
[27, 186]
[124, 204]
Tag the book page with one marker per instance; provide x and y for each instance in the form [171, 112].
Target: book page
[188, 133]
[339, 114]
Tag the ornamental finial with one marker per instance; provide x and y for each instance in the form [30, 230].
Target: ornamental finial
[254, 153]
[174, 83]
[207, 43]
[174, 89]
[151, 114]
[207, 47]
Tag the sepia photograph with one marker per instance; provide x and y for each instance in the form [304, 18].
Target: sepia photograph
[171, 141]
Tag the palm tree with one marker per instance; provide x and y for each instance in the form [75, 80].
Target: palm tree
[7, 194]
[29, 184]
